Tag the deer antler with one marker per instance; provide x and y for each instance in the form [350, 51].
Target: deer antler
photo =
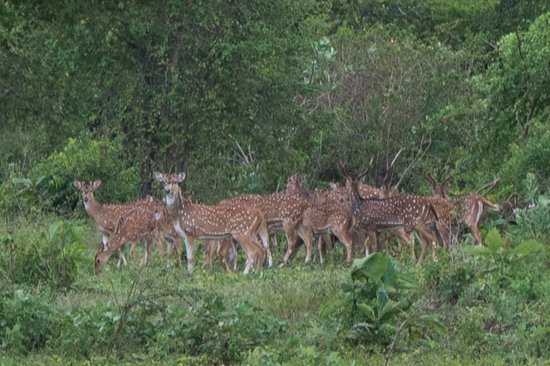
[446, 180]
[430, 179]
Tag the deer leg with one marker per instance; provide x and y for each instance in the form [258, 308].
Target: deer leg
[189, 249]
[475, 233]
[160, 244]
[260, 252]
[321, 249]
[147, 247]
[344, 239]
[245, 243]
[307, 236]
[274, 241]
[291, 238]
[371, 242]
[177, 244]
[121, 257]
[105, 242]
[225, 247]
[264, 237]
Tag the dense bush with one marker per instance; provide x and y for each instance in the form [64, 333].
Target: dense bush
[51, 255]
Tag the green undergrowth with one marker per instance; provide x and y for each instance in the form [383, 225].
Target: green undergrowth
[473, 306]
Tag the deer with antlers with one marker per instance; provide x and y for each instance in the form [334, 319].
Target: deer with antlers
[469, 207]
[404, 211]
[137, 223]
[106, 217]
[198, 221]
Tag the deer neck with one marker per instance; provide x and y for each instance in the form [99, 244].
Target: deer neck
[174, 205]
[355, 197]
[93, 208]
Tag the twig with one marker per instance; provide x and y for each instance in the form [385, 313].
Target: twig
[419, 155]
[488, 186]
[397, 332]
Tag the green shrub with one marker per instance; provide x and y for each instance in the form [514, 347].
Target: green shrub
[53, 255]
[49, 185]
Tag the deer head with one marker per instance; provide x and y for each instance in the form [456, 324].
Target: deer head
[87, 190]
[171, 187]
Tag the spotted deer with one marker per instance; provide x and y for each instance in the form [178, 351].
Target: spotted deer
[327, 212]
[198, 221]
[282, 212]
[404, 211]
[106, 216]
[137, 223]
[469, 207]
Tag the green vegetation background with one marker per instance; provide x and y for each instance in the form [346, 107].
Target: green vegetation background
[239, 95]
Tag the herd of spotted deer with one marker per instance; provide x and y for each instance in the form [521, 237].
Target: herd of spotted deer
[355, 214]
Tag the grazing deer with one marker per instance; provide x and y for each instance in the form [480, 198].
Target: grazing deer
[282, 212]
[404, 211]
[469, 207]
[106, 217]
[137, 223]
[197, 221]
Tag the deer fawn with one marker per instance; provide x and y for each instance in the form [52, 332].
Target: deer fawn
[225, 249]
[137, 223]
[197, 221]
[404, 211]
[469, 207]
[106, 217]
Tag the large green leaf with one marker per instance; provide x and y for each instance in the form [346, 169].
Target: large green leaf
[21, 180]
[527, 247]
[390, 277]
[478, 250]
[493, 240]
[367, 310]
[372, 267]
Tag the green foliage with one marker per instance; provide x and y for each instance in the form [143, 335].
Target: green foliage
[373, 295]
[49, 186]
[52, 255]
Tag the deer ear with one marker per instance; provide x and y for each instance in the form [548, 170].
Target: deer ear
[96, 184]
[362, 179]
[181, 177]
[301, 181]
[149, 198]
[159, 176]
[333, 186]
[78, 185]
[348, 183]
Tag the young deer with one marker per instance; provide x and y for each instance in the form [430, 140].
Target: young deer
[225, 249]
[106, 217]
[469, 207]
[137, 223]
[197, 221]
[404, 211]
